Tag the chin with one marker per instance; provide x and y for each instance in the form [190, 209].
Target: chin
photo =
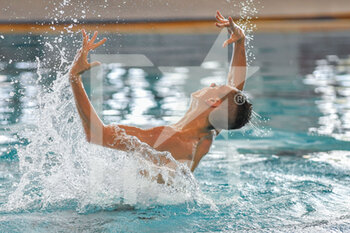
[200, 93]
[196, 100]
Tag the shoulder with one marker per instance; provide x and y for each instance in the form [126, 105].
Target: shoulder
[144, 135]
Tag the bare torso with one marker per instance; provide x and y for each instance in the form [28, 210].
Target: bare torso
[184, 148]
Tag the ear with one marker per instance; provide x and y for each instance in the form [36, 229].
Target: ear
[213, 102]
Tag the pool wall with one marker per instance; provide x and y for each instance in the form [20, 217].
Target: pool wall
[156, 10]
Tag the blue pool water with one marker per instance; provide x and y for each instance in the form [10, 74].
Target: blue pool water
[289, 171]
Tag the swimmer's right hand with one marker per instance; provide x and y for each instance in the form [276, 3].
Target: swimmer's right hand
[81, 63]
[236, 32]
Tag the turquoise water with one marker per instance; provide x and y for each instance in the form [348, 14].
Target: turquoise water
[288, 172]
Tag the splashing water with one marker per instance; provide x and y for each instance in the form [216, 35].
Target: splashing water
[248, 11]
[61, 170]
[256, 125]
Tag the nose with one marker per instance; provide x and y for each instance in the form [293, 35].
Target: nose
[213, 85]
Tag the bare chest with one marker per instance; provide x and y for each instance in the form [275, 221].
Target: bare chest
[187, 151]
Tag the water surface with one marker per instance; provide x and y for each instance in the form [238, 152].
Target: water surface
[291, 173]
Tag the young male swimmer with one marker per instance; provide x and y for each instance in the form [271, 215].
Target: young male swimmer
[212, 108]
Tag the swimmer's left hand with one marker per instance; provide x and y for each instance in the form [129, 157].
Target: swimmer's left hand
[81, 63]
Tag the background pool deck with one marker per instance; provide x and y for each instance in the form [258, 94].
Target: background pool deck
[169, 17]
[160, 10]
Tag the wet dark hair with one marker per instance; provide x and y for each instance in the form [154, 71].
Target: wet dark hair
[243, 114]
[234, 114]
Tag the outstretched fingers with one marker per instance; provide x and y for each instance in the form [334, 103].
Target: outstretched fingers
[89, 44]
[98, 44]
[93, 38]
[221, 25]
[220, 15]
[85, 38]
[220, 19]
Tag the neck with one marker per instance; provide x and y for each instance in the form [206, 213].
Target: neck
[195, 122]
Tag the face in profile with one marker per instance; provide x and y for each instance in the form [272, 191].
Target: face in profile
[213, 94]
[228, 107]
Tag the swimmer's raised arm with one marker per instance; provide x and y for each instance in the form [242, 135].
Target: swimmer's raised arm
[237, 73]
[93, 126]
[117, 137]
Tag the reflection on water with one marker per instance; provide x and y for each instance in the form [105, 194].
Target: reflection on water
[143, 97]
[331, 79]
[19, 96]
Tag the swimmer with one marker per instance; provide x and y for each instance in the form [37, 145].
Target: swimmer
[211, 110]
